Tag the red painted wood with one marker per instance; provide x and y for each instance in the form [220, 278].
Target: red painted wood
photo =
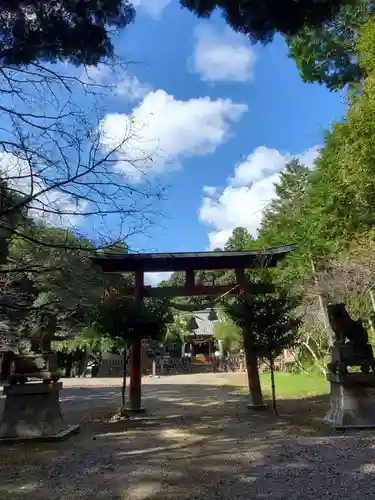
[135, 389]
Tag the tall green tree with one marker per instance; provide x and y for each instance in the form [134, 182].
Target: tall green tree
[268, 324]
[125, 320]
[287, 219]
[327, 53]
[282, 216]
[239, 240]
[12, 214]
[340, 202]
[60, 30]
[61, 265]
[230, 333]
[176, 330]
[260, 20]
[337, 207]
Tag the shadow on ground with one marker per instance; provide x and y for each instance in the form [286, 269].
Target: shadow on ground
[195, 442]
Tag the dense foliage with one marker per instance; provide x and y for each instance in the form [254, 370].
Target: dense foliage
[61, 30]
[321, 35]
[267, 321]
[260, 20]
[127, 319]
[333, 203]
[329, 212]
[231, 335]
[327, 53]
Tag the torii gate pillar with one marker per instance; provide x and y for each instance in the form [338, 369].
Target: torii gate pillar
[135, 388]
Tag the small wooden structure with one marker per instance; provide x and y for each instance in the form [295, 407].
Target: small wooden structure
[189, 263]
[201, 340]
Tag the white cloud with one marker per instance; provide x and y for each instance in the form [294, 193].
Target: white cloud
[119, 81]
[163, 130]
[155, 278]
[153, 8]
[248, 192]
[131, 88]
[261, 163]
[222, 56]
[209, 190]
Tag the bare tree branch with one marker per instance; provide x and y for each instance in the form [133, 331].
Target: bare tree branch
[59, 170]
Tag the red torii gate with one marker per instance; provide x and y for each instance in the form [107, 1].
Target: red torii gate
[189, 263]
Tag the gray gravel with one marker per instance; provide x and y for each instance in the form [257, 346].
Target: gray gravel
[210, 447]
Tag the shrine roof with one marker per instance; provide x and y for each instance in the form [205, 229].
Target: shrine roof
[205, 325]
[197, 261]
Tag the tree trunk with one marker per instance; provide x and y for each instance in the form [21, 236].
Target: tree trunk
[315, 358]
[255, 389]
[322, 305]
[82, 363]
[372, 297]
[272, 368]
[123, 389]
[69, 366]
[135, 388]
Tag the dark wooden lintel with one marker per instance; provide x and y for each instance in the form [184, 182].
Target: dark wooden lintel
[198, 261]
[197, 290]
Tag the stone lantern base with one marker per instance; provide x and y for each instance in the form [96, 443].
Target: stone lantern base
[352, 400]
[32, 412]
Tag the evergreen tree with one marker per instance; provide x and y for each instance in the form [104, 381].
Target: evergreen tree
[327, 53]
[283, 214]
[260, 20]
[60, 30]
[268, 325]
[239, 240]
[125, 320]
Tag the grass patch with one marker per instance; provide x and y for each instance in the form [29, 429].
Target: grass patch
[292, 385]
[295, 385]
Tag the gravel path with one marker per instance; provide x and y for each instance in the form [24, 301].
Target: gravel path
[199, 441]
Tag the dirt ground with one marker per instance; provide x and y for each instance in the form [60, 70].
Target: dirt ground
[197, 440]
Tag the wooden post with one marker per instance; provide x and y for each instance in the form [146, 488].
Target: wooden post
[135, 389]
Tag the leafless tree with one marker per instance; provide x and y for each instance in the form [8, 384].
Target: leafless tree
[58, 169]
[60, 165]
[348, 278]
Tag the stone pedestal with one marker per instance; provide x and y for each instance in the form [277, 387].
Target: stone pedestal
[352, 400]
[344, 355]
[34, 365]
[32, 412]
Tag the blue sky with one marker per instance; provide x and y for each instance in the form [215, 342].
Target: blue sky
[226, 117]
[210, 117]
